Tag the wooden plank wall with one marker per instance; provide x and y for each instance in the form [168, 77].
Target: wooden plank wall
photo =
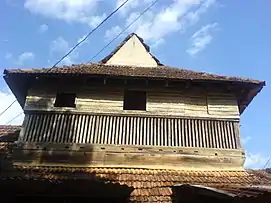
[159, 102]
[130, 130]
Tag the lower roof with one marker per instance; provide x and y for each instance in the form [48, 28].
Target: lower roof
[148, 184]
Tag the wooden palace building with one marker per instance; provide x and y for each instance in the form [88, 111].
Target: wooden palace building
[128, 129]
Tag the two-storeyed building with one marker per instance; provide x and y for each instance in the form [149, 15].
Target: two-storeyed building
[129, 129]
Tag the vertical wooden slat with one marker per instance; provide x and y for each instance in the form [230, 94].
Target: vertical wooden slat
[199, 133]
[111, 129]
[89, 126]
[147, 130]
[141, 135]
[223, 144]
[225, 134]
[138, 126]
[44, 127]
[237, 134]
[99, 132]
[34, 137]
[162, 133]
[123, 131]
[229, 135]
[173, 131]
[31, 130]
[196, 127]
[190, 134]
[166, 140]
[213, 135]
[127, 129]
[132, 137]
[81, 134]
[76, 126]
[210, 136]
[216, 133]
[116, 133]
[106, 130]
[78, 131]
[27, 127]
[120, 130]
[158, 132]
[86, 129]
[37, 130]
[233, 136]
[179, 132]
[206, 134]
[49, 137]
[186, 130]
[151, 131]
[154, 134]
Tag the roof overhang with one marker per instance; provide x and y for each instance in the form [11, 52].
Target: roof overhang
[19, 81]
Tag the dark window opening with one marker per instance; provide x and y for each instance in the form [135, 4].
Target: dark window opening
[134, 100]
[65, 100]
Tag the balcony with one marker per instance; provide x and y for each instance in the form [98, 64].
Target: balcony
[100, 129]
[73, 139]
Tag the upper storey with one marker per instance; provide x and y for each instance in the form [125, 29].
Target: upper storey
[132, 63]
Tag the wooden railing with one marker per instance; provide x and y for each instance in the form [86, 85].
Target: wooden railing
[130, 130]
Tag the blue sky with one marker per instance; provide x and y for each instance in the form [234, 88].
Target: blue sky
[224, 37]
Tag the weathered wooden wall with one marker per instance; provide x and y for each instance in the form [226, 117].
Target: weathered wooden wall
[159, 102]
[130, 130]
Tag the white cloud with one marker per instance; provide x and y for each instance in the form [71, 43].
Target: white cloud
[255, 161]
[201, 39]
[160, 21]
[25, 57]
[7, 98]
[158, 43]
[81, 11]
[60, 47]
[112, 32]
[245, 140]
[128, 6]
[43, 28]
[8, 56]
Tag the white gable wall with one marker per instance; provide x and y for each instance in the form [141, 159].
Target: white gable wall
[132, 53]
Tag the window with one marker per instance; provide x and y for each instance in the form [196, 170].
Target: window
[65, 100]
[134, 100]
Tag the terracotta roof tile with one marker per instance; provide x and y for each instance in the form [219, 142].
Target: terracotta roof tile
[9, 133]
[146, 72]
[149, 185]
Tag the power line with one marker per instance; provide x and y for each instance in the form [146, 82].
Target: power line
[7, 108]
[267, 162]
[14, 118]
[71, 50]
[149, 7]
[80, 42]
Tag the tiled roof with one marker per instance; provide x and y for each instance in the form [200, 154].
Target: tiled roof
[149, 184]
[9, 133]
[162, 72]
